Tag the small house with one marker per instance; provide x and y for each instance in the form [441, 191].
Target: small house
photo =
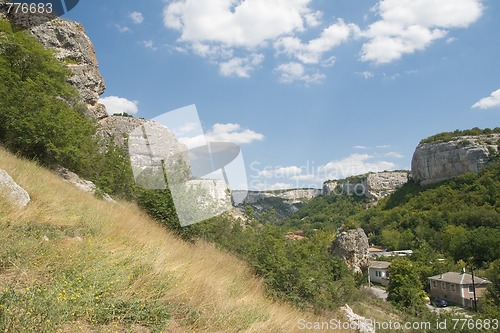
[378, 272]
[457, 288]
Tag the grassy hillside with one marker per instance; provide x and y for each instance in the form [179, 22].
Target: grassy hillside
[108, 267]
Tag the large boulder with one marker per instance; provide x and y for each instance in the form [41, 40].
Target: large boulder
[433, 162]
[352, 247]
[12, 192]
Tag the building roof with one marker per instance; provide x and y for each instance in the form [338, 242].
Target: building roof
[459, 278]
[375, 249]
[380, 264]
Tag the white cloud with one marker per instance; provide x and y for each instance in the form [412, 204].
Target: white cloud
[249, 23]
[136, 17]
[294, 71]
[366, 74]
[312, 52]
[122, 28]
[360, 147]
[407, 26]
[279, 172]
[489, 102]
[233, 133]
[219, 29]
[116, 104]
[149, 44]
[393, 154]
[270, 187]
[241, 67]
[224, 133]
[383, 146]
[354, 164]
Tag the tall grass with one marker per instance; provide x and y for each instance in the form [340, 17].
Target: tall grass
[70, 262]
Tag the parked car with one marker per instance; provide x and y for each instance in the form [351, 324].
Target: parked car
[439, 302]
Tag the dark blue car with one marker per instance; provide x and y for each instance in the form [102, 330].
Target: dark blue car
[440, 303]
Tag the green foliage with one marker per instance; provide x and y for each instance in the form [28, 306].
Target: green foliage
[302, 272]
[405, 289]
[459, 218]
[492, 296]
[41, 117]
[326, 213]
[448, 136]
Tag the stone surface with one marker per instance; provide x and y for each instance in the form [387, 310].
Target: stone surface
[82, 184]
[381, 184]
[357, 323]
[435, 162]
[73, 47]
[292, 196]
[352, 247]
[12, 192]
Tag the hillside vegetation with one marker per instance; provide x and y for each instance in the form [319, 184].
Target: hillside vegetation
[108, 267]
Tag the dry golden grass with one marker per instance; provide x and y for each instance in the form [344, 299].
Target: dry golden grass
[205, 289]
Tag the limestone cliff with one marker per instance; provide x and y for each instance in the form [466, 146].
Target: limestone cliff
[72, 47]
[374, 186]
[381, 184]
[433, 162]
[292, 196]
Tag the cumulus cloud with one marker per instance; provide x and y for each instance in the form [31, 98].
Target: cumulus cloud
[354, 164]
[116, 104]
[224, 133]
[136, 17]
[489, 102]
[294, 71]
[216, 29]
[149, 44]
[249, 23]
[122, 28]
[407, 26]
[312, 52]
[241, 67]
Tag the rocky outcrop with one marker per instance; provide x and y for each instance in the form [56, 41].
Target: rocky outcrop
[439, 161]
[352, 247]
[329, 187]
[381, 184]
[72, 47]
[374, 186]
[292, 196]
[11, 192]
[81, 184]
[356, 322]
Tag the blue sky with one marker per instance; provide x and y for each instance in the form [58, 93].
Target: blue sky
[310, 89]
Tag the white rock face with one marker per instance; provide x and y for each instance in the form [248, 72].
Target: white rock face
[357, 322]
[73, 47]
[435, 162]
[81, 184]
[379, 185]
[352, 247]
[293, 196]
[12, 192]
[374, 186]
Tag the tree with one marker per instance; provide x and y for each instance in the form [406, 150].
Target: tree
[405, 289]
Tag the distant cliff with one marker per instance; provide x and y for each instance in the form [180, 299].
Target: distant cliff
[374, 186]
[437, 161]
